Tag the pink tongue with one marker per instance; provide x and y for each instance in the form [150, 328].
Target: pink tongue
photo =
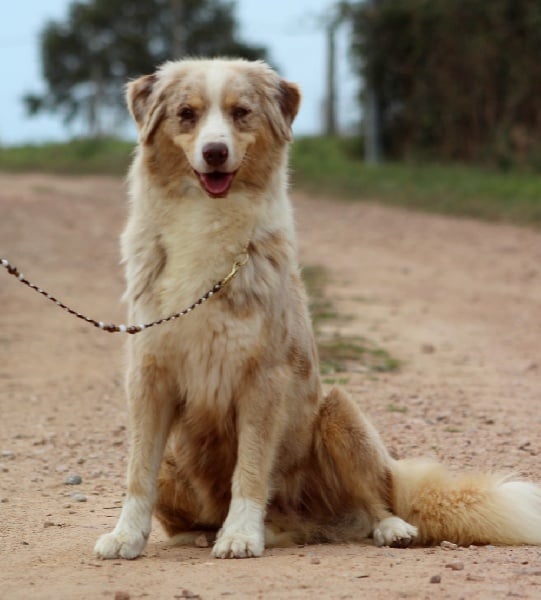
[216, 184]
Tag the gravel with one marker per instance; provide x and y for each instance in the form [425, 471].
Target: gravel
[73, 480]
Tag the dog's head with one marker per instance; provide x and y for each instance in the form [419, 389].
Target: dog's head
[214, 123]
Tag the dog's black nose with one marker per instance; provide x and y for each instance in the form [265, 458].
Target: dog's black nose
[215, 153]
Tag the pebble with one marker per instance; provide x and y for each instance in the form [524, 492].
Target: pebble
[455, 566]
[201, 541]
[474, 578]
[448, 545]
[188, 594]
[73, 480]
[122, 596]
[79, 497]
[435, 579]
[315, 561]
[8, 454]
[48, 524]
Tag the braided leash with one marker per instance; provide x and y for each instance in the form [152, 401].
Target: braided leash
[111, 328]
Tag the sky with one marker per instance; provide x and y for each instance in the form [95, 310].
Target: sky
[289, 29]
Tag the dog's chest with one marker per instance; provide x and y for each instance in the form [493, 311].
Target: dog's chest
[201, 243]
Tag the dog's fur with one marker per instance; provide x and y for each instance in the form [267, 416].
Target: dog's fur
[230, 430]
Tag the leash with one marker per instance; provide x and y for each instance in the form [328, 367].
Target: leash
[112, 328]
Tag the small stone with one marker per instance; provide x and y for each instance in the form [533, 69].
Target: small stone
[73, 480]
[4, 500]
[7, 454]
[470, 577]
[188, 594]
[201, 541]
[448, 545]
[122, 596]
[48, 524]
[455, 566]
[428, 349]
[315, 561]
[435, 579]
[79, 497]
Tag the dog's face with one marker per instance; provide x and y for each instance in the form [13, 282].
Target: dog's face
[214, 123]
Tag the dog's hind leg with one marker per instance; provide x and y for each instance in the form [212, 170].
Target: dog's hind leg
[356, 471]
[151, 407]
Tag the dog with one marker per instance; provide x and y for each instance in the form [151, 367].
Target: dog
[231, 434]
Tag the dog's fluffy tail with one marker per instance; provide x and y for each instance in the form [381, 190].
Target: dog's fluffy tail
[466, 509]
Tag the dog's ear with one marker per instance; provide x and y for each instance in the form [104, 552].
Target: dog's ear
[290, 100]
[283, 103]
[146, 109]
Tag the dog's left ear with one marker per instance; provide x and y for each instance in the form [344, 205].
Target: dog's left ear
[289, 100]
[146, 109]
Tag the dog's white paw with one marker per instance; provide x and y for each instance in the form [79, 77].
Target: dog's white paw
[395, 532]
[120, 544]
[238, 545]
[243, 533]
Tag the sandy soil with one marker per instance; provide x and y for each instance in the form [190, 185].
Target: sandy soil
[456, 300]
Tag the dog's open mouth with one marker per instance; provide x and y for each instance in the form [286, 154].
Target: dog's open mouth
[216, 184]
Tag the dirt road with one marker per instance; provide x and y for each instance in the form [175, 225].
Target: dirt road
[459, 302]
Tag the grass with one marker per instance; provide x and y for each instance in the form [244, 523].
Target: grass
[394, 408]
[106, 156]
[331, 166]
[337, 352]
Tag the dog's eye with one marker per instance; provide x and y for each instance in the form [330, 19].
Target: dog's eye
[186, 113]
[239, 112]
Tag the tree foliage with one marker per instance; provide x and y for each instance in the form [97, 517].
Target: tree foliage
[87, 58]
[456, 79]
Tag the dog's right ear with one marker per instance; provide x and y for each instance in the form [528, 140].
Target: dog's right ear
[145, 108]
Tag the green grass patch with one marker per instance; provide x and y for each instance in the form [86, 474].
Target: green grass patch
[396, 409]
[336, 380]
[338, 353]
[332, 166]
[104, 156]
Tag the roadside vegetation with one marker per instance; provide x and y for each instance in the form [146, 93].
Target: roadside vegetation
[339, 353]
[333, 167]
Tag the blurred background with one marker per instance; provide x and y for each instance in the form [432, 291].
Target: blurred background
[429, 103]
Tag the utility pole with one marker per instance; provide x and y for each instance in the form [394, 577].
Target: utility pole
[339, 14]
[330, 101]
[373, 152]
[178, 29]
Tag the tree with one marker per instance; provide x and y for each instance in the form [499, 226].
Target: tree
[87, 58]
[456, 79]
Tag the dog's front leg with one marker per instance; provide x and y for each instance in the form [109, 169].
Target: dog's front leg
[151, 411]
[258, 422]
